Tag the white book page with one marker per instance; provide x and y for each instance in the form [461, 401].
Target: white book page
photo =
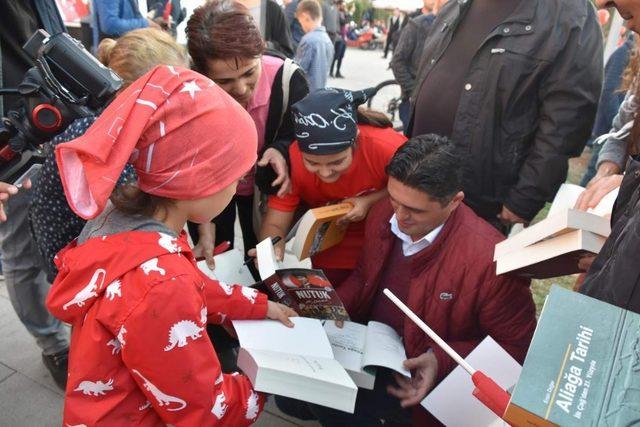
[267, 261]
[306, 338]
[319, 368]
[347, 343]
[565, 198]
[229, 269]
[605, 207]
[384, 348]
[452, 401]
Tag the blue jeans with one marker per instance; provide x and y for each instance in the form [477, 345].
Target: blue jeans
[373, 408]
[25, 279]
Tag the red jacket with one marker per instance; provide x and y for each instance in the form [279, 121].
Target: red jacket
[454, 289]
[140, 354]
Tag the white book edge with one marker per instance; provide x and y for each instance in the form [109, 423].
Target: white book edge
[340, 394]
[549, 249]
[562, 222]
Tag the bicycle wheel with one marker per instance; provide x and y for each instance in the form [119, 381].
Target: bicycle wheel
[387, 99]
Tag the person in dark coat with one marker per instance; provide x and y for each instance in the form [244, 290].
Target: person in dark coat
[515, 85]
[395, 22]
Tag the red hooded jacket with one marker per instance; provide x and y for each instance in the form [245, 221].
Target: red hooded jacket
[453, 288]
[140, 354]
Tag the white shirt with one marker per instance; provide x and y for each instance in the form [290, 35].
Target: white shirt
[409, 247]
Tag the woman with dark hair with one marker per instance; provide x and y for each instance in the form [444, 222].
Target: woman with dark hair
[225, 45]
[340, 155]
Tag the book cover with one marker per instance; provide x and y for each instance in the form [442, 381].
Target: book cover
[308, 292]
[583, 366]
[318, 230]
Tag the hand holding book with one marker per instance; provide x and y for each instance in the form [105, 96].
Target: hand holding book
[411, 391]
[280, 312]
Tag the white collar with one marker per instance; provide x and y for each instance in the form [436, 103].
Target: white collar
[409, 247]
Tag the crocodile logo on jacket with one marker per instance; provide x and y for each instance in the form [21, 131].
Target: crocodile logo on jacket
[97, 388]
[182, 330]
[88, 291]
[162, 398]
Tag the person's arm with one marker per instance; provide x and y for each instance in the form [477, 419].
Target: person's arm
[568, 99]
[111, 23]
[402, 57]
[165, 347]
[304, 58]
[233, 302]
[612, 156]
[506, 312]
[276, 223]
[361, 206]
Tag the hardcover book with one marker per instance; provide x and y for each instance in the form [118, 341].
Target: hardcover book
[583, 366]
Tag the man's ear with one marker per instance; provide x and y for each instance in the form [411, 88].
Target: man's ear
[457, 199]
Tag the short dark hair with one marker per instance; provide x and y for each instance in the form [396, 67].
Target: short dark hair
[312, 7]
[222, 29]
[428, 163]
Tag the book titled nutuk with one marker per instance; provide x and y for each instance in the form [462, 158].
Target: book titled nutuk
[583, 366]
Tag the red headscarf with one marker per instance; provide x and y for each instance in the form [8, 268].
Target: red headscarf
[186, 138]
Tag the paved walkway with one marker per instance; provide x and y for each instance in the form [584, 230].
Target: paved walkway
[28, 395]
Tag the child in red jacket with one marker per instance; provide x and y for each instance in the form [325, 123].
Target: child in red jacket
[129, 285]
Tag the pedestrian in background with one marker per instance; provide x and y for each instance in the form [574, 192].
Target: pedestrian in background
[315, 52]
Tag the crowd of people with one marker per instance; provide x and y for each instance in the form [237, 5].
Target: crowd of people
[497, 96]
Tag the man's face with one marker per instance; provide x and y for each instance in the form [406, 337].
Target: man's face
[628, 9]
[417, 213]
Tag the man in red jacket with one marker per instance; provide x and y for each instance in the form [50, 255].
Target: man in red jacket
[436, 255]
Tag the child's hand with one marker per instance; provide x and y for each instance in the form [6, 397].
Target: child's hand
[361, 206]
[281, 312]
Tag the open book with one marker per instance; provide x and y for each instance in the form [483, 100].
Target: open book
[360, 348]
[307, 291]
[452, 401]
[229, 269]
[552, 246]
[317, 230]
[294, 362]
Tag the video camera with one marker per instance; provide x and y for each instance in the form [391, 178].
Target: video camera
[67, 83]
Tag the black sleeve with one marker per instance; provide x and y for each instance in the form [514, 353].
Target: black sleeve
[298, 89]
[278, 35]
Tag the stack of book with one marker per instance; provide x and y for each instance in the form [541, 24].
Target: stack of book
[553, 246]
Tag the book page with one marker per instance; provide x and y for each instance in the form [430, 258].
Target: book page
[452, 401]
[306, 338]
[229, 269]
[267, 261]
[605, 207]
[347, 343]
[565, 198]
[384, 348]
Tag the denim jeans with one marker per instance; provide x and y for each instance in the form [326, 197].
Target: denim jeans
[25, 279]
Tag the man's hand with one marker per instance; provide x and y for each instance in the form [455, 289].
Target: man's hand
[8, 190]
[507, 217]
[595, 192]
[411, 391]
[277, 161]
[206, 244]
[605, 169]
[281, 312]
[585, 261]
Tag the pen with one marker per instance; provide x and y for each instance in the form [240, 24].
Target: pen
[274, 240]
[222, 247]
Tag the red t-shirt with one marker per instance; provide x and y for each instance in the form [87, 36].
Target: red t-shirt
[373, 151]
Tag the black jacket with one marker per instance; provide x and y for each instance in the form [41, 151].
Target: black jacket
[529, 101]
[277, 34]
[408, 52]
[276, 135]
[614, 276]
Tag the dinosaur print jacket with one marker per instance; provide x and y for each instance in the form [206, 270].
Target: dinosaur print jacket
[140, 354]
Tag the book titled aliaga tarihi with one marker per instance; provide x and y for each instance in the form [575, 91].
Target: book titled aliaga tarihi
[583, 366]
